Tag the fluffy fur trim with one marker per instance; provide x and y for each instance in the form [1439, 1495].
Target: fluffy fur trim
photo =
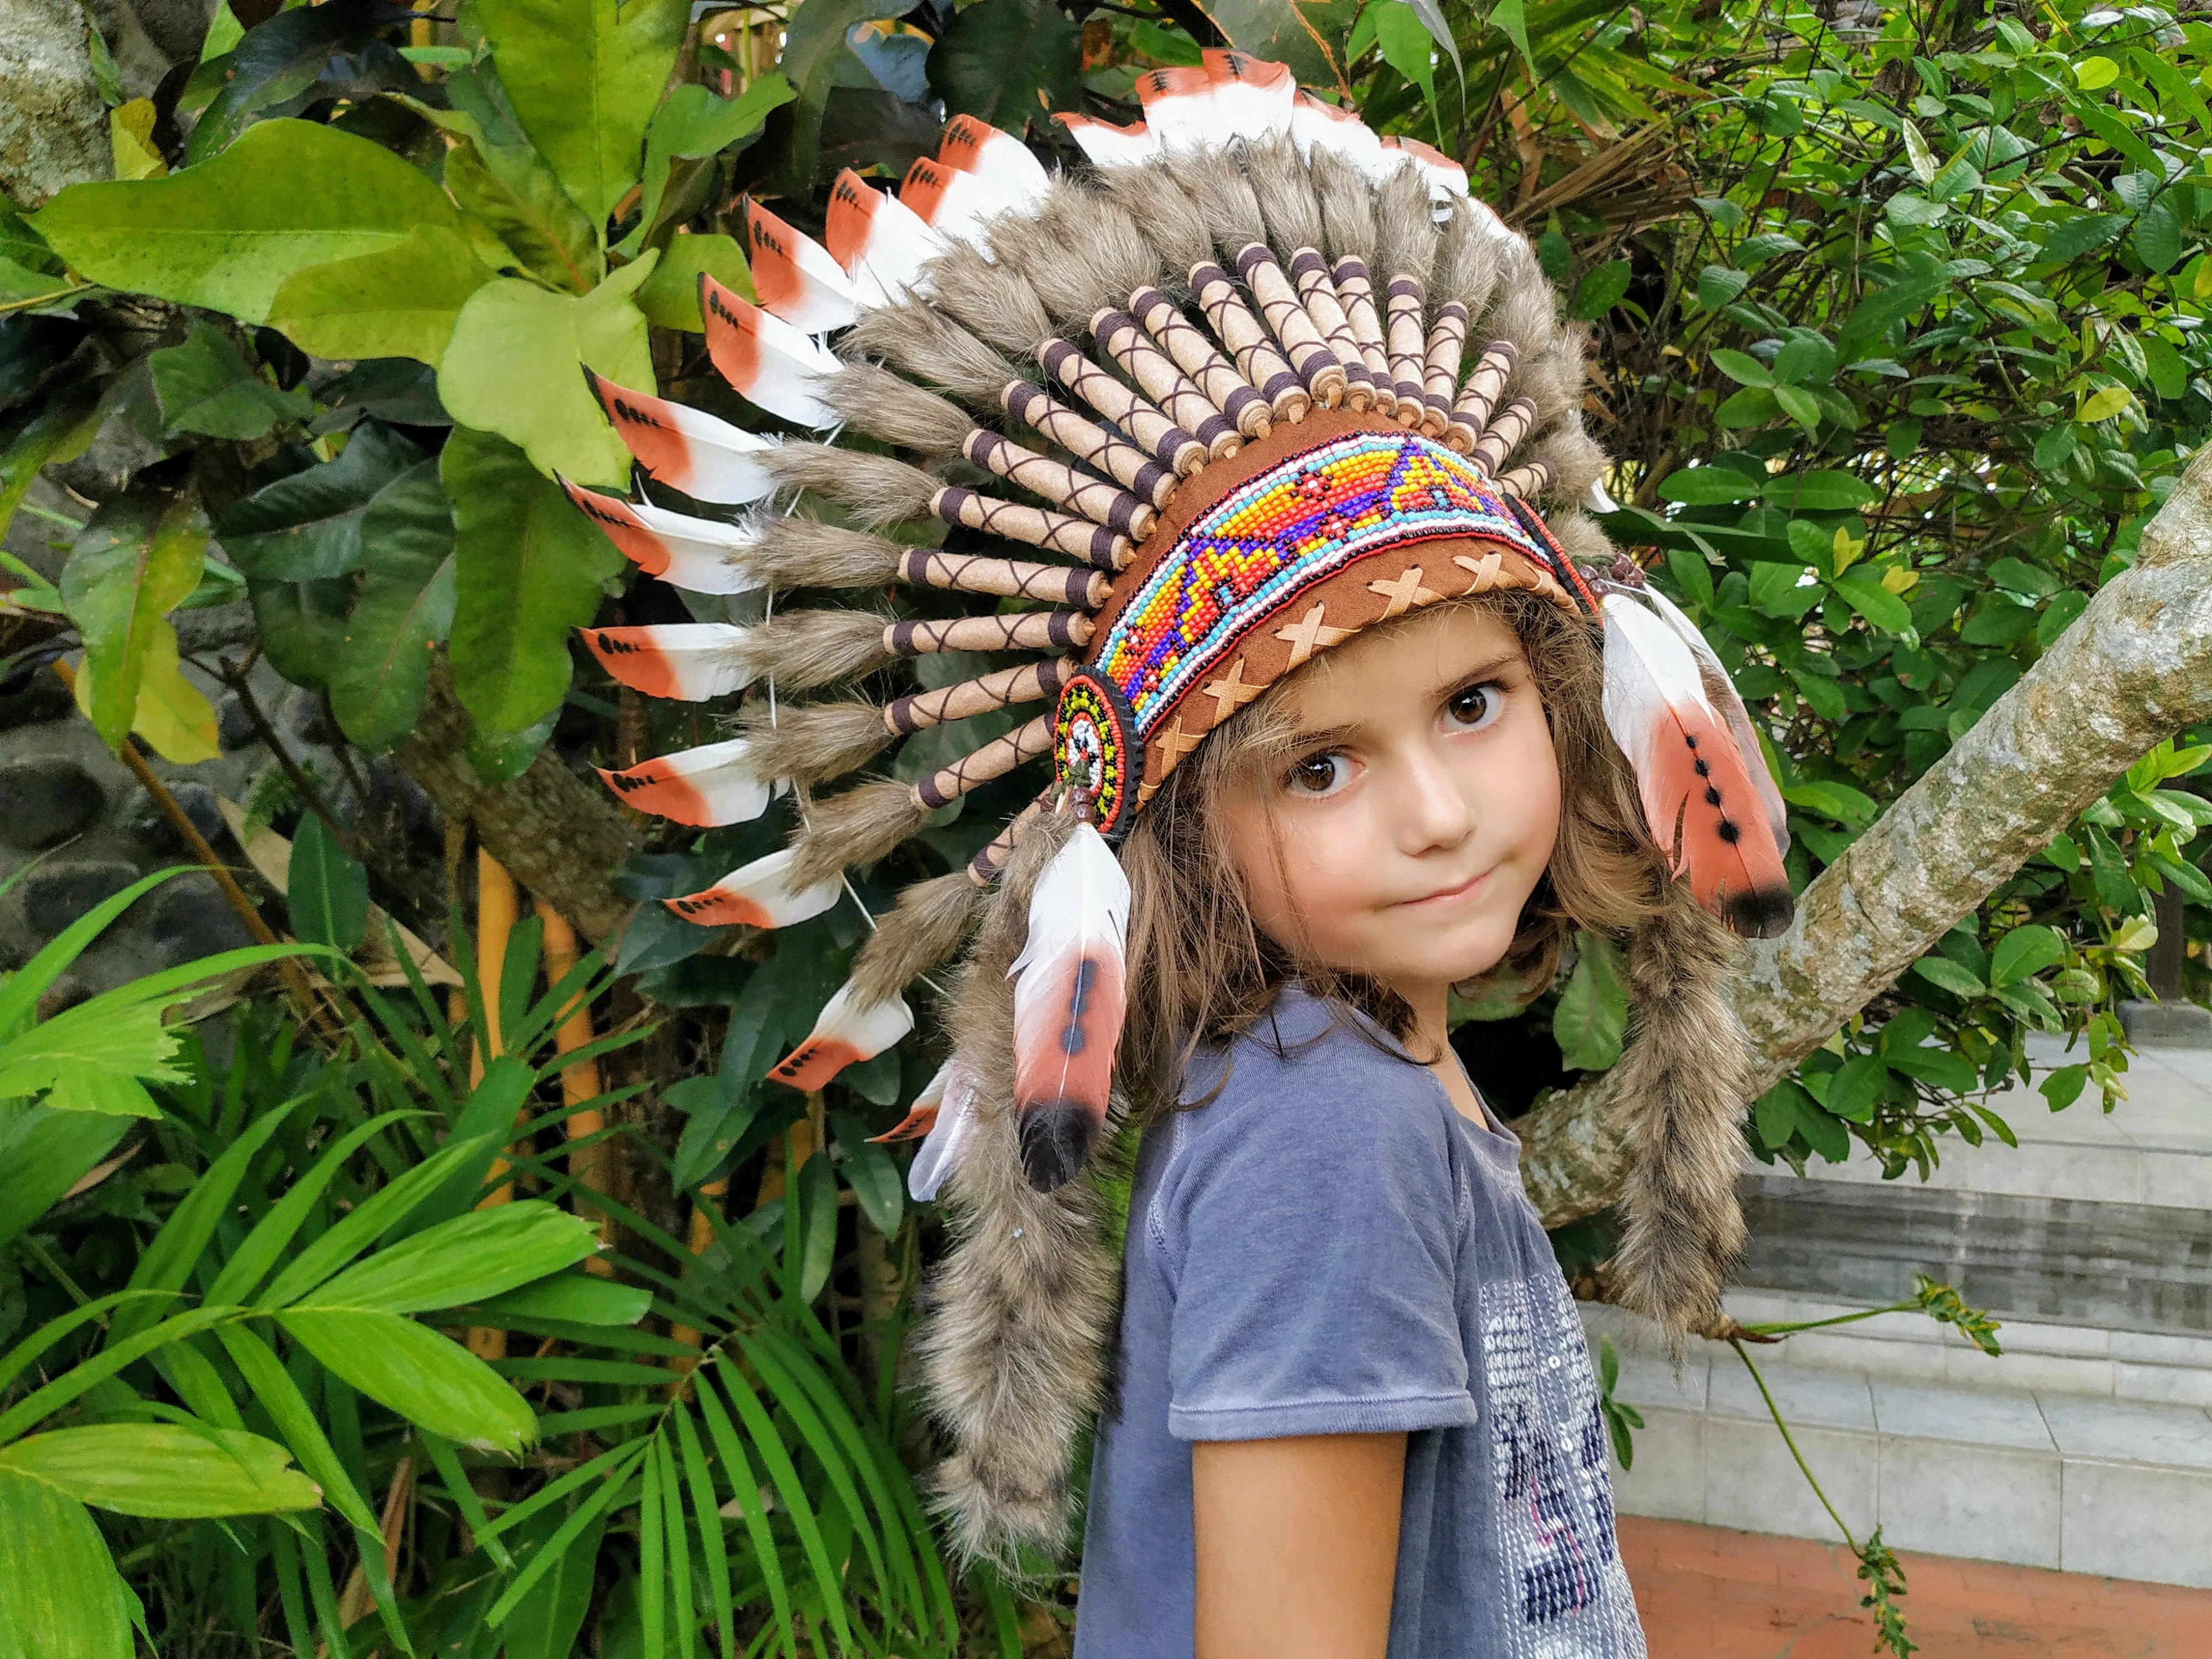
[1223, 196]
[1580, 536]
[810, 742]
[1082, 253]
[991, 296]
[932, 921]
[1014, 1355]
[1347, 206]
[1467, 261]
[798, 551]
[926, 345]
[1525, 307]
[1284, 188]
[800, 650]
[1170, 219]
[1687, 1072]
[1553, 380]
[876, 489]
[1576, 461]
[855, 827]
[1405, 228]
[878, 402]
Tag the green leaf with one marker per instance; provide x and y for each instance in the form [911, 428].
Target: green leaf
[1860, 588]
[327, 892]
[405, 607]
[2024, 953]
[1743, 368]
[1707, 486]
[425, 1377]
[1952, 1073]
[1855, 1086]
[1408, 48]
[2063, 1086]
[1840, 802]
[1014, 61]
[670, 297]
[306, 527]
[483, 1253]
[2054, 448]
[45, 1152]
[545, 1623]
[1592, 1015]
[584, 76]
[64, 1596]
[2077, 234]
[301, 626]
[872, 1173]
[692, 124]
[227, 233]
[1948, 975]
[2102, 405]
[1600, 290]
[138, 558]
[1799, 405]
[512, 368]
[529, 569]
[398, 301]
[509, 189]
[163, 1470]
[1717, 285]
[818, 1225]
[270, 66]
[2157, 238]
[60, 431]
[2092, 74]
[206, 386]
[1819, 492]
[573, 1298]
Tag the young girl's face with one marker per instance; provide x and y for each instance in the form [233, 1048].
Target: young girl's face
[1415, 811]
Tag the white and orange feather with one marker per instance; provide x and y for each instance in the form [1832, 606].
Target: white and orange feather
[765, 360]
[759, 895]
[686, 449]
[685, 662]
[697, 555]
[714, 784]
[795, 277]
[846, 1032]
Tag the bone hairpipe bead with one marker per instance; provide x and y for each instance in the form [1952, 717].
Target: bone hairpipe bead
[1166, 384]
[1094, 544]
[1175, 448]
[1029, 631]
[1029, 683]
[1506, 428]
[1301, 341]
[1440, 378]
[983, 869]
[1528, 482]
[1257, 361]
[1319, 296]
[1197, 357]
[1481, 393]
[1408, 345]
[1080, 492]
[1355, 291]
[993, 760]
[1090, 442]
[1054, 584]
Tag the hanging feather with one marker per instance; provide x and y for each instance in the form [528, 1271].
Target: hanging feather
[765, 360]
[953, 204]
[795, 276]
[1341, 133]
[686, 449]
[973, 145]
[878, 240]
[1179, 106]
[846, 1032]
[758, 895]
[1699, 799]
[1069, 1000]
[1721, 692]
[1106, 145]
[1447, 177]
[951, 1129]
[921, 1117]
[697, 555]
[686, 662]
[1253, 99]
[712, 784]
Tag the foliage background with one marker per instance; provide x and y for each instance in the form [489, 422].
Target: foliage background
[1896, 313]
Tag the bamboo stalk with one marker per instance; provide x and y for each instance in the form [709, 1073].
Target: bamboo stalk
[499, 904]
[579, 1082]
[701, 1236]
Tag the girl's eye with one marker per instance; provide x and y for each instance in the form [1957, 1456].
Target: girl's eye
[1475, 707]
[1318, 775]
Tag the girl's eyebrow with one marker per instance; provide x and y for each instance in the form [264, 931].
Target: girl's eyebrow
[1327, 736]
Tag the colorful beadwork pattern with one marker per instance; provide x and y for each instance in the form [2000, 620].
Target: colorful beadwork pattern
[1096, 751]
[1292, 526]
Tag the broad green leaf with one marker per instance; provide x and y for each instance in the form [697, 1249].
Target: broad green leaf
[2157, 237]
[1855, 1087]
[405, 607]
[583, 76]
[162, 1470]
[1860, 588]
[509, 188]
[512, 368]
[137, 559]
[2024, 953]
[427, 1378]
[227, 233]
[173, 715]
[2102, 405]
[1840, 802]
[1799, 405]
[872, 1173]
[814, 59]
[818, 1225]
[306, 527]
[670, 297]
[45, 1152]
[1591, 1018]
[1947, 975]
[1408, 48]
[206, 386]
[1707, 486]
[1742, 368]
[59, 432]
[692, 125]
[572, 1298]
[1600, 290]
[1952, 1073]
[64, 1596]
[302, 625]
[2094, 73]
[396, 302]
[274, 1390]
[327, 892]
[2078, 234]
[271, 65]
[468, 1259]
[1819, 492]
[1719, 284]
[368, 1221]
[546, 1622]
[530, 567]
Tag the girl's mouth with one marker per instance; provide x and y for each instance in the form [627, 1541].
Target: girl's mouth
[1466, 890]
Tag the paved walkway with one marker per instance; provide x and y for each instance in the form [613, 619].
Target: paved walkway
[1708, 1592]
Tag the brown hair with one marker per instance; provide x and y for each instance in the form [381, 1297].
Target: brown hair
[1199, 968]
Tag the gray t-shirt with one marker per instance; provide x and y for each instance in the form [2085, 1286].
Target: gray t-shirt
[1328, 1248]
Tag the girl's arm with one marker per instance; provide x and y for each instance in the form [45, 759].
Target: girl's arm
[1297, 1545]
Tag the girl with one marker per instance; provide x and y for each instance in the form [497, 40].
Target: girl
[1339, 724]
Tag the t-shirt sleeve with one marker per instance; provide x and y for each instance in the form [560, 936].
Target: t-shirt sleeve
[1314, 1240]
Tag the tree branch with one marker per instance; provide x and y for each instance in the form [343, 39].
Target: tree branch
[2134, 668]
[560, 838]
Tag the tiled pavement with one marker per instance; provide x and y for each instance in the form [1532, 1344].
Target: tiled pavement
[1708, 1592]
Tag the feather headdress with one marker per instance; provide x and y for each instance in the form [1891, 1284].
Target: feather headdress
[1256, 379]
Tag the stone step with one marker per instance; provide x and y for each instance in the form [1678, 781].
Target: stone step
[2032, 1476]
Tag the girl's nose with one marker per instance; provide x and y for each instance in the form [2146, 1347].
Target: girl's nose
[1429, 809]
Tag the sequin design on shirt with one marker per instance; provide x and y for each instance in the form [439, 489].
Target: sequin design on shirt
[1563, 1576]
[1295, 525]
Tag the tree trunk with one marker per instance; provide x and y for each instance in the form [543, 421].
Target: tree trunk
[555, 833]
[2134, 668]
[53, 124]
